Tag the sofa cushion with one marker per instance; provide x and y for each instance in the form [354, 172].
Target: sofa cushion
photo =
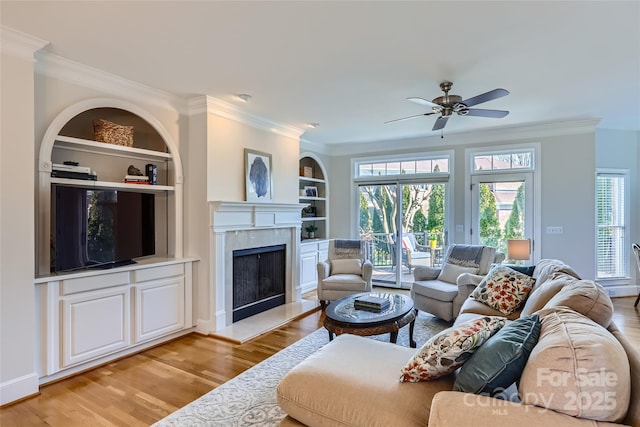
[450, 272]
[472, 306]
[503, 289]
[499, 362]
[587, 298]
[577, 368]
[447, 351]
[543, 292]
[346, 266]
[545, 269]
[354, 381]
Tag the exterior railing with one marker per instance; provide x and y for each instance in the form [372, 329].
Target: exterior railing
[381, 247]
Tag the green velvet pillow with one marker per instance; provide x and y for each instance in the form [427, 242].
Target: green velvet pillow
[499, 362]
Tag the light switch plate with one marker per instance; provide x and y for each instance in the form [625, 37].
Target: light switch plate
[555, 230]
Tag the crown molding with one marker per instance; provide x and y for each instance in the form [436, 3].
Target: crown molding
[529, 131]
[56, 66]
[20, 44]
[211, 105]
[315, 147]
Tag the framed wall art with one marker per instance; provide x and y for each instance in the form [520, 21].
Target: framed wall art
[258, 176]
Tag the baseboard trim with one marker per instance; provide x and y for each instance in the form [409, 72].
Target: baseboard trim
[18, 388]
[622, 291]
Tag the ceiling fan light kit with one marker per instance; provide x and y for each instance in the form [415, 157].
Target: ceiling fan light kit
[446, 105]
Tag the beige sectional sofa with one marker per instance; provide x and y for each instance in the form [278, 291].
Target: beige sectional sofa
[581, 372]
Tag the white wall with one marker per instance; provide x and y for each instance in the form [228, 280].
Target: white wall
[617, 149]
[226, 141]
[567, 187]
[17, 218]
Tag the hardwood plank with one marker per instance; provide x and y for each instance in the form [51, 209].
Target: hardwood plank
[144, 388]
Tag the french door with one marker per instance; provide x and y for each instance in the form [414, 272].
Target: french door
[404, 226]
[502, 209]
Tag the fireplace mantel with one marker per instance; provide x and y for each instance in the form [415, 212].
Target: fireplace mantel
[242, 225]
[230, 216]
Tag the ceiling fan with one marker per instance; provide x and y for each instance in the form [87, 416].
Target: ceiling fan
[448, 104]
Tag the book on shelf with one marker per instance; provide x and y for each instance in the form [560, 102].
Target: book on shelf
[136, 178]
[127, 181]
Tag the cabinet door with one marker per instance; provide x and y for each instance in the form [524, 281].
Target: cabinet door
[308, 271]
[94, 324]
[159, 308]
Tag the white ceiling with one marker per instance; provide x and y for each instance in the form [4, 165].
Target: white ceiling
[350, 65]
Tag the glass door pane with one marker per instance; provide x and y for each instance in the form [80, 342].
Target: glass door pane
[378, 224]
[502, 211]
[404, 229]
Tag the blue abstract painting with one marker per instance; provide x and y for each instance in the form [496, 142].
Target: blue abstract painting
[258, 176]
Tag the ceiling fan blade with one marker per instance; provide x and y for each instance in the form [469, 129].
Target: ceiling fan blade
[488, 96]
[423, 101]
[479, 112]
[410, 117]
[440, 123]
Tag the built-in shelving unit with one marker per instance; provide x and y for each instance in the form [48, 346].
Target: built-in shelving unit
[313, 188]
[89, 317]
[78, 145]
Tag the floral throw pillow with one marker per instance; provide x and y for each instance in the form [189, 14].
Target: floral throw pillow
[447, 351]
[503, 289]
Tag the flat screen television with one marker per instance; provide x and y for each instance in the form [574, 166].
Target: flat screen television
[100, 228]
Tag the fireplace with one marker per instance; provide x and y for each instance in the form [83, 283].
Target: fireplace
[258, 280]
[239, 226]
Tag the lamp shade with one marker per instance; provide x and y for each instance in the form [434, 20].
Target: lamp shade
[518, 249]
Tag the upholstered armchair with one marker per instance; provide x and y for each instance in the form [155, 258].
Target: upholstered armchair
[347, 271]
[442, 290]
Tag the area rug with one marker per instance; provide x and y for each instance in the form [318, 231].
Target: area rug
[250, 398]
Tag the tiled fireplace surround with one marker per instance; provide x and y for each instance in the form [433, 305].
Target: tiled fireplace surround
[245, 225]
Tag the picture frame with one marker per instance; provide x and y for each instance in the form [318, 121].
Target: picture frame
[258, 176]
[310, 191]
[309, 212]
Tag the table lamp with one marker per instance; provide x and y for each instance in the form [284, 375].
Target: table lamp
[518, 249]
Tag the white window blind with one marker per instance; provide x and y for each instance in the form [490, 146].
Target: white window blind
[611, 241]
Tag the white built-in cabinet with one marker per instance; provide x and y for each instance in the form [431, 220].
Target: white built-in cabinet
[89, 317]
[311, 252]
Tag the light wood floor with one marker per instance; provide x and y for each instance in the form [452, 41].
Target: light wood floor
[141, 389]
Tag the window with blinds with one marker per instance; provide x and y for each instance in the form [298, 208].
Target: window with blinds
[611, 239]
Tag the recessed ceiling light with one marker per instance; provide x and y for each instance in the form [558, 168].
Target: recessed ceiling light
[312, 125]
[242, 97]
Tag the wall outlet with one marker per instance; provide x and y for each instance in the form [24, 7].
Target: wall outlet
[611, 292]
[555, 230]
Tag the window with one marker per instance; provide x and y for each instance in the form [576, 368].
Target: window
[503, 160]
[425, 165]
[611, 232]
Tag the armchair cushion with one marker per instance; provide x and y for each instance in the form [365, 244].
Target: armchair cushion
[422, 272]
[346, 266]
[503, 289]
[450, 272]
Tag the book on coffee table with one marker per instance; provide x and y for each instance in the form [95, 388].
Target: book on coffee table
[370, 302]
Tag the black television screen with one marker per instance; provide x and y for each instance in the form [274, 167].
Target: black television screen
[100, 228]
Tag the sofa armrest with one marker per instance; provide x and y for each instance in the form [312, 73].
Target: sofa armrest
[454, 409]
[421, 272]
[324, 268]
[466, 282]
[468, 279]
[367, 272]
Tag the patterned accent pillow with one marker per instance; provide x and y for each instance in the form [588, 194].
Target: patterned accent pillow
[447, 351]
[504, 289]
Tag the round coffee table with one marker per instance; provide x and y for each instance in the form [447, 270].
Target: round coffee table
[342, 317]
